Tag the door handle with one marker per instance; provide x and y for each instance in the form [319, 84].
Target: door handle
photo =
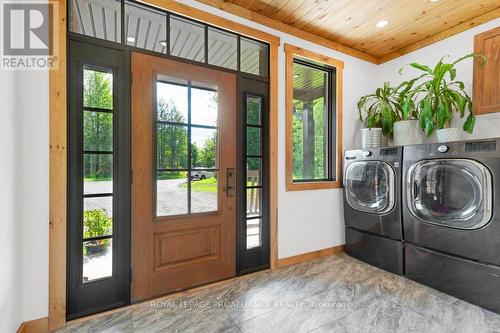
[230, 182]
[414, 190]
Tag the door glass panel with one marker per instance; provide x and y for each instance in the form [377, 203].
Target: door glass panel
[204, 106]
[254, 233]
[145, 28]
[171, 193]
[172, 102]
[186, 153]
[187, 39]
[222, 48]
[369, 186]
[97, 259]
[453, 193]
[171, 146]
[204, 190]
[100, 19]
[203, 148]
[97, 89]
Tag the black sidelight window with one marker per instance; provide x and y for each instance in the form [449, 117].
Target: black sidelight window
[99, 180]
[313, 127]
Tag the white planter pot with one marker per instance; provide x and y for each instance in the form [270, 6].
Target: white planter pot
[448, 134]
[407, 132]
[371, 137]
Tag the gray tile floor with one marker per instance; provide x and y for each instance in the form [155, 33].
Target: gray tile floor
[331, 294]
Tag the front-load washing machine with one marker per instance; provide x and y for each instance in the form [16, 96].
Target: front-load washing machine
[451, 218]
[372, 206]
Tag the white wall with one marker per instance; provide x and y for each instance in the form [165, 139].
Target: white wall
[487, 126]
[9, 235]
[32, 98]
[311, 220]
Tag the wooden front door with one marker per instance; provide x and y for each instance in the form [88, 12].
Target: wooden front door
[183, 184]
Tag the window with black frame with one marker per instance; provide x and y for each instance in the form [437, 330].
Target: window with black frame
[312, 126]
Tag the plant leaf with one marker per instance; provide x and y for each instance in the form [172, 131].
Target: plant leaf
[469, 123]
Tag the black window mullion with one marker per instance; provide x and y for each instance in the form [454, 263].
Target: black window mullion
[93, 109]
[97, 195]
[96, 238]
[98, 152]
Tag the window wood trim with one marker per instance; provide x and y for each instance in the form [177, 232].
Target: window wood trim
[290, 52]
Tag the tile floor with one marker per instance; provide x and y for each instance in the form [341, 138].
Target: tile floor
[331, 294]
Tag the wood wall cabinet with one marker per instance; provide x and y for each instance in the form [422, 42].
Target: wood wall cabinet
[486, 86]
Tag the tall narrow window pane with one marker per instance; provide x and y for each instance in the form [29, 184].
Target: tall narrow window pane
[97, 259]
[97, 89]
[254, 109]
[99, 19]
[222, 48]
[97, 173]
[145, 28]
[254, 141]
[254, 171]
[310, 122]
[254, 233]
[254, 57]
[254, 201]
[187, 39]
[97, 131]
[97, 217]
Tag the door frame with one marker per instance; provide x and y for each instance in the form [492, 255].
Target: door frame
[58, 130]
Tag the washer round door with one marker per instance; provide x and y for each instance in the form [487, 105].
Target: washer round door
[454, 193]
[369, 186]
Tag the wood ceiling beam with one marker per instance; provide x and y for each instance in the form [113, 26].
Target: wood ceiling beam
[264, 20]
[489, 16]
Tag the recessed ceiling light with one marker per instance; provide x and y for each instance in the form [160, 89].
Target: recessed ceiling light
[434, 0]
[382, 23]
[131, 39]
[163, 43]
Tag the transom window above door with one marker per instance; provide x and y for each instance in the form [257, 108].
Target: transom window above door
[140, 26]
[186, 147]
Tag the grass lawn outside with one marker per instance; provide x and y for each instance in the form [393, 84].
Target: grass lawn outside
[205, 185]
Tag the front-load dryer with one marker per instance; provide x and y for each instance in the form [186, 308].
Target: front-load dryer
[372, 206]
[451, 219]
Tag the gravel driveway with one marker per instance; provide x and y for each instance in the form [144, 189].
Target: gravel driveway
[171, 195]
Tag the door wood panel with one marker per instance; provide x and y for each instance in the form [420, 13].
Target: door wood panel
[178, 252]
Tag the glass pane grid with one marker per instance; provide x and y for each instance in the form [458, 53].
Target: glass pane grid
[97, 156]
[186, 148]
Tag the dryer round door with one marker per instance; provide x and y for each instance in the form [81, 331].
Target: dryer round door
[454, 193]
[369, 186]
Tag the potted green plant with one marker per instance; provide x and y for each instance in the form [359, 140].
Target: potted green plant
[391, 110]
[96, 223]
[378, 111]
[439, 96]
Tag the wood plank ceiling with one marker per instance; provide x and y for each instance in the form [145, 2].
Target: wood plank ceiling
[352, 23]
